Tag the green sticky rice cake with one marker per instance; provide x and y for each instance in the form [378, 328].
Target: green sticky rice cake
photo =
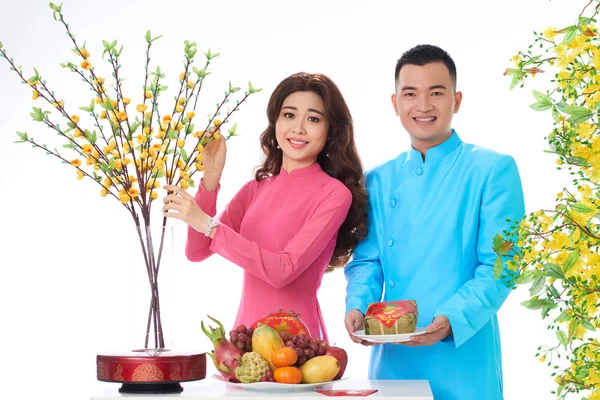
[391, 317]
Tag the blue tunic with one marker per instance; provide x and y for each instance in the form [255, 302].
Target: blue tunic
[431, 230]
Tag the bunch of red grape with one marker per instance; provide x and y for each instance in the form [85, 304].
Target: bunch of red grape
[241, 337]
[268, 377]
[305, 347]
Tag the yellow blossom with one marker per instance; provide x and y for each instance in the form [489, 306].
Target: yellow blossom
[103, 114]
[86, 64]
[99, 81]
[141, 108]
[118, 165]
[182, 76]
[76, 162]
[107, 182]
[147, 130]
[190, 115]
[124, 197]
[181, 164]
[84, 53]
[198, 134]
[181, 100]
[126, 161]
[87, 148]
[126, 100]
[184, 184]
[179, 109]
[148, 94]
[179, 126]
[542, 358]
[35, 95]
[80, 174]
[217, 122]
[190, 84]
[75, 119]
[180, 143]
[103, 192]
[154, 195]
[141, 139]
[550, 33]
[217, 136]
[166, 119]
[77, 133]
[126, 148]
[199, 166]
[122, 115]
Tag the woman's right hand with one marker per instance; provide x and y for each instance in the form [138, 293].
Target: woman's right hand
[213, 158]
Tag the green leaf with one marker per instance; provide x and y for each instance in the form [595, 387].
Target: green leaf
[537, 285]
[577, 161]
[536, 304]
[540, 106]
[581, 208]
[90, 136]
[562, 338]
[148, 37]
[232, 130]
[498, 267]
[542, 98]
[515, 81]
[570, 33]
[191, 183]
[156, 38]
[555, 114]
[23, 136]
[135, 126]
[588, 326]
[69, 146]
[525, 277]
[553, 271]
[37, 114]
[578, 118]
[252, 89]
[571, 260]
[572, 110]
[184, 155]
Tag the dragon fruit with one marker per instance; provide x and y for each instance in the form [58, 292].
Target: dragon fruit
[226, 356]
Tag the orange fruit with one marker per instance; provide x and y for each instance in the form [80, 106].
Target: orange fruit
[287, 375]
[284, 357]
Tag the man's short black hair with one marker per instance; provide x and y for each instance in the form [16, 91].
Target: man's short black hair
[426, 54]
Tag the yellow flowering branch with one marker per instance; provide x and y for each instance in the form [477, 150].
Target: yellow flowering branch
[131, 165]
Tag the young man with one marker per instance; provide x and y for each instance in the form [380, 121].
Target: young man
[433, 214]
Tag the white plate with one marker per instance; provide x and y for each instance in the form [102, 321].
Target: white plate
[402, 337]
[276, 387]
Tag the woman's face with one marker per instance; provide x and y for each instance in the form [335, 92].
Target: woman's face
[301, 129]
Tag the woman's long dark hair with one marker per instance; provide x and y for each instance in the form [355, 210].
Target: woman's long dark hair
[338, 158]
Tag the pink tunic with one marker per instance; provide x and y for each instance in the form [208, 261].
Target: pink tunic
[282, 231]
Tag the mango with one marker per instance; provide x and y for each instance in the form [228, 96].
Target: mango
[320, 369]
[265, 340]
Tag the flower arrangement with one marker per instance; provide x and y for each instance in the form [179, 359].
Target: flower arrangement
[131, 148]
[556, 252]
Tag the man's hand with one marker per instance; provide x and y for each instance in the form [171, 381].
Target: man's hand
[355, 320]
[438, 330]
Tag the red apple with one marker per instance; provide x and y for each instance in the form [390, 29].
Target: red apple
[339, 354]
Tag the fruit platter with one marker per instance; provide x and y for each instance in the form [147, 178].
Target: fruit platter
[275, 353]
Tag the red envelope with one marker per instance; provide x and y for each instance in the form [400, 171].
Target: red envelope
[347, 392]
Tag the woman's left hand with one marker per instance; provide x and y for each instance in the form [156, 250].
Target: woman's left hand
[181, 205]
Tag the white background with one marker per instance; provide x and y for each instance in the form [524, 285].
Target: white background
[69, 260]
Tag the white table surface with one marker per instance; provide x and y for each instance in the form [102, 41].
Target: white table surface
[209, 388]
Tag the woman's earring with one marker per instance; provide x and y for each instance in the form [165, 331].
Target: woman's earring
[278, 147]
[327, 155]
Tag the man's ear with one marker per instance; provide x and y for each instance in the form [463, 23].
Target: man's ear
[395, 105]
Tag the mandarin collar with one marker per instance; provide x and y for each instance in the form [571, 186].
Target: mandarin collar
[438, 152]
[304, 171]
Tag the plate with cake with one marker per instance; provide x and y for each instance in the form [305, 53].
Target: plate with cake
[390, 322]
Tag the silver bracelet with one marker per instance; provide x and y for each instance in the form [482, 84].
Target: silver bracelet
[212, 223]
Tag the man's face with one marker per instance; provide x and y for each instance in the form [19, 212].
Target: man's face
[425, 100]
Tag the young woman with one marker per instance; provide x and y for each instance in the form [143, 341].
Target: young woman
[304, 211]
